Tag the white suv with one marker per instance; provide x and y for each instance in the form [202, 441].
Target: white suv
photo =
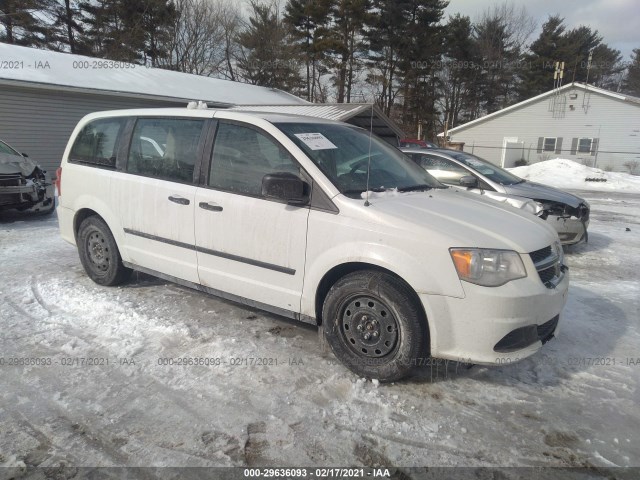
[317, 221]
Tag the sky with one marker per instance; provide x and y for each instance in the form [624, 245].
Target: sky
[618, 21]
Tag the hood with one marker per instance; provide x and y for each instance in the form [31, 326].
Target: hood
[464, 219]
[11, 164]
[537, 191]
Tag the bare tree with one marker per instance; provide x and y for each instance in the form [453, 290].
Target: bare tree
[632, 165]
[201, 42]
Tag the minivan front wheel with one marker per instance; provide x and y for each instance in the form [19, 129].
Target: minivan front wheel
[99, 253]
[374, 326]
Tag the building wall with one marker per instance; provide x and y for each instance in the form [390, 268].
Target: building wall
[615, 123]
[39, 122]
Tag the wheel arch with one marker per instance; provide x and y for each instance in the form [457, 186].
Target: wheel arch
[339, 271]
[80, 216]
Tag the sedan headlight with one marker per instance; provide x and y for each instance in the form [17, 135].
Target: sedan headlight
[533, 207]
[489, 268]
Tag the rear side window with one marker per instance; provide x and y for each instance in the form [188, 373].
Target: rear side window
[242, 156]
[96, 144]
[165, 148]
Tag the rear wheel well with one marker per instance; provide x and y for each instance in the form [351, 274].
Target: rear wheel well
[339, 271]
[81, 215]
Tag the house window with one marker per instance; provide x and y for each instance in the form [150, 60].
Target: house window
[585, 145]
[550, 144]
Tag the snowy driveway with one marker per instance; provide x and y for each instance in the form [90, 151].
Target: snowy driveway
[97, 389]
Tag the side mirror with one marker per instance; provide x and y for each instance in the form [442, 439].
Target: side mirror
[287, 187]
[468, 181]
[24, 155]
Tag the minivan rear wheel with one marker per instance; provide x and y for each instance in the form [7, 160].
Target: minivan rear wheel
[374, 325]
[99, 253]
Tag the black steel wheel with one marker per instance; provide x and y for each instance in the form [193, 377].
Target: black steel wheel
[368, 326]
[374, 325]
[99, 253]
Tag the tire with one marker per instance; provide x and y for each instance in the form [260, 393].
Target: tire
[374, 326]
[99, 253]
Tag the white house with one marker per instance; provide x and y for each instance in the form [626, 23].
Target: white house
[580, 122]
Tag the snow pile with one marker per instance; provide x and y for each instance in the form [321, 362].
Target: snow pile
[563, 173]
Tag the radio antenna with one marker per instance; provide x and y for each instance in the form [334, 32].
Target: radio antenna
[366, 201]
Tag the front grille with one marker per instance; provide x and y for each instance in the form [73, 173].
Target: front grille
[545, 331]
[541, 254]
[547, 274]
[11, 180]
[547, 264]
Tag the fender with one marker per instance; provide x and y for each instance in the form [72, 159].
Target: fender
[426, 276]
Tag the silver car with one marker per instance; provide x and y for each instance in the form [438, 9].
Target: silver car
[23, 184]
[569, 214]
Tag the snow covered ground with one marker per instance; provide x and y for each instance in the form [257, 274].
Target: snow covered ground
[567, 174]
[575, 403]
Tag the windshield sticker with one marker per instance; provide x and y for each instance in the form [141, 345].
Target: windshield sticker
[315, 141]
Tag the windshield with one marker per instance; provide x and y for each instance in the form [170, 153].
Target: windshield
[4, 148]
[488, 169]
[342, 153]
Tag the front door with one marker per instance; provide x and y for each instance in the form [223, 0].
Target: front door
[246, 245]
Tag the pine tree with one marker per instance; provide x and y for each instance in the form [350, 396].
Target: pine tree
[308, 21]
[458, 73]
[67, 27]
[573, 47]
[267, 59]
[605, 62]
[22, 23]
[385, 42]
[539, 62]
[346, 43]
[128, 31]
[632, 80]
[500, 40]
[422, 47]
[149, 21]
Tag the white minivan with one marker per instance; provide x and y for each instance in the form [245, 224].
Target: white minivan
[315, 220]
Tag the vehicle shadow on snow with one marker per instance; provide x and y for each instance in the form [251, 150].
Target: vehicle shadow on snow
[591, 326]
[597, 241]
[143, 280]
[12, 216]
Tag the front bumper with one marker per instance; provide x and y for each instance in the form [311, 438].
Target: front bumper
[570, 230]
[30, 197]
[470, 329]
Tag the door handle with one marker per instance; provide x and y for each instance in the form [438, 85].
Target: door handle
[210, 206]
[179, 200]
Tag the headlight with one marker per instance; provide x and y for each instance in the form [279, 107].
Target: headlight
[490, 268]
[527, 205]
[533, 207]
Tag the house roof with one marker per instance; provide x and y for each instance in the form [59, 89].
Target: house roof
[62, 71]
[363, 115]
[569, 86]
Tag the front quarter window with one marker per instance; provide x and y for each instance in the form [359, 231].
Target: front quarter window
[350, 158]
